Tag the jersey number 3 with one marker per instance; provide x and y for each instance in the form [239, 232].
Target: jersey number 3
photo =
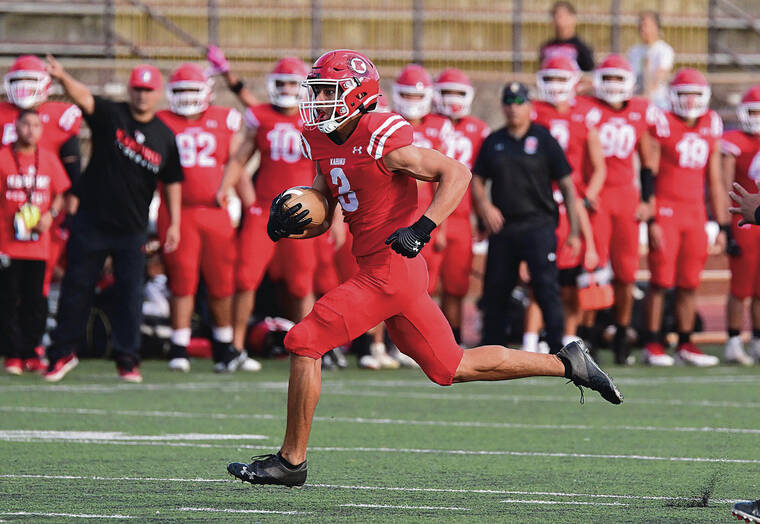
[346, 197]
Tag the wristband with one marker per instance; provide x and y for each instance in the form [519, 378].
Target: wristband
[54, 212]
[646, 178]
[725, 228]
[757, 215]
[237, 87]
[650, 221]
[423, 227]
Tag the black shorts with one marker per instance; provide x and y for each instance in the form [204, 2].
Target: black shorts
[569, 277]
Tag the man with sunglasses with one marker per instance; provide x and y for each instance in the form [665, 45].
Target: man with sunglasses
[522, 160]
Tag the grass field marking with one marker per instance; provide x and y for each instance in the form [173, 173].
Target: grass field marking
[68, 515]
[386, 506]
[626, 380]
[364, 420]
[118, 435]
[228, 510]
[567, 502]
[110, 479]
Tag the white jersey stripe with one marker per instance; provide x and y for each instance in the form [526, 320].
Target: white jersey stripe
[305, 148]
[381, 143]
[250, 119]
[729, 148]
[379, 130]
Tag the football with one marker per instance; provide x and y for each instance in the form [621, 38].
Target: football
[311, 200]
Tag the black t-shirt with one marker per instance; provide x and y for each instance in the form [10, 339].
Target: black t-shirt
[128, 160]
[574, 48]
[522, 172]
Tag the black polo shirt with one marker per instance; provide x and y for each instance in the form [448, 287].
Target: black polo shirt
[522, 171]
[128, 160]
[573, 48]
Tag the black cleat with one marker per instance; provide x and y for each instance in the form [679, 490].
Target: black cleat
[585, 372]
[268, 469]
[747, 511]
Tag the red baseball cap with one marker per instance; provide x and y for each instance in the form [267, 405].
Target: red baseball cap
[145, 76]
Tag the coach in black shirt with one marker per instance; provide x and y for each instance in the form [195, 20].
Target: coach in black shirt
[522, 160]
[132, 151]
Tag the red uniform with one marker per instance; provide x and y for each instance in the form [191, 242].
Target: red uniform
[376, 202]
[60, 122]
[282, 166]
[434, 132]
[27, 183]
[207, 238]
[679, 193]
[745, 273]
[463, 145]
[616, 230]
[570, 130]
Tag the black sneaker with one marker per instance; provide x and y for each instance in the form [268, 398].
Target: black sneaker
[585, 372]
[226, 357]
[747, 511]
[620, 346]
[268, 469]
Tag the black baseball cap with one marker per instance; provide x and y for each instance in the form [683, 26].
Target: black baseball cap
[514, 92]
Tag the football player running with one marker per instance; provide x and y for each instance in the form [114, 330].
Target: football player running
[741, 165]
[689, 149]
[27, 85]
[622, 126]
[206, 136]
[366, 162]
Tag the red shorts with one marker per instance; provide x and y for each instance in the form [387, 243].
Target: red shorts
[616, 231]
[207, 245]
[387, 287]
[683, 253]
[326, 276]
[456, 265]
[293, 261]
[745, 270]
[433, 260]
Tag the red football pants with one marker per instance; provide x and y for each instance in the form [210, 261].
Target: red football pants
[745, 269]
[616, 231]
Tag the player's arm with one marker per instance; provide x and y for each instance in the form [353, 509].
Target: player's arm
[728, 167]
[649, 151]
[234, 170]
[719, 201]
[77, 91]
[220, 66]
[567, 188]
[598, 166]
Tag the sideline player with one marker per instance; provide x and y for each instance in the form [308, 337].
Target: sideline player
[452, 98]
[741, 165]
[366, 162]
[689, 139]
[563, 114]
[206, 136]
[621, 121]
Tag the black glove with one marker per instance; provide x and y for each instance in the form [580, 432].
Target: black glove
[285, 222]
[733, 249]
[408, 241]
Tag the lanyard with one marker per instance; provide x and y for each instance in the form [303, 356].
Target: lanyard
[28, 190]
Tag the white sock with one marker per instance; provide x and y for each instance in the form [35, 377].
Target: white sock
[222, 334]
[181, 337]
[566, 339]
[530, 342]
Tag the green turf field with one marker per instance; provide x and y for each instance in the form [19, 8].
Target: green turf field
[387, 446]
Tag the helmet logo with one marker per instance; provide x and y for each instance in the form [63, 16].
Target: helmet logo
[358, 65]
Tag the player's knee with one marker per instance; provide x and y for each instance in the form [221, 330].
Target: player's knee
[316, 334]
[298, 342]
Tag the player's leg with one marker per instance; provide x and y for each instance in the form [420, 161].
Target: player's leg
[601, 226]
[297, 264]
[502, 264]
[11, 334]
[744, 278]
[532, 326]
[455, 272]
[624, 255]
[571, 306]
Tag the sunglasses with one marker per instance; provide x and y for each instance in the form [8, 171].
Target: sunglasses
[518, 100]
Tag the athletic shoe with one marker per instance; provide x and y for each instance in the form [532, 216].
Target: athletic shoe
[620, 346]
[747, 511]
[179, 364]
[405, 360]
[248, 364]
[543, 348]
[377, 350]
[59, 368]
[369, 362]
[14, 366]
[585, 372]
[339, 358]
[130, 374]
[735, 352]
[268, 469]
[754, 349]
[35, 365]
[690, 354]
[654, 355]
[227, 359]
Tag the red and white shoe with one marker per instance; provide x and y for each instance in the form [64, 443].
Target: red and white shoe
[690, 354]
[58, 369]
[655, 355]
[35, 365]
[130, 375]
[14, 366]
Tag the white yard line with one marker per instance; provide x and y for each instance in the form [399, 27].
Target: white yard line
[69, 515]
[573, 502]
[11, 435]
[364, 420]
[385, 506]
[227, 510]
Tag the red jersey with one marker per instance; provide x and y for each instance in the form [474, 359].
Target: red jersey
[375, 201]
[746, 149]
[278, 138]
[684, 154]
[60, 121]
[570, 129]
[22, 183]
[204, 149]
[619, 132]
[464, 145]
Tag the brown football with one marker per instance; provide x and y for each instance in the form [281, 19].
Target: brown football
[311, 200]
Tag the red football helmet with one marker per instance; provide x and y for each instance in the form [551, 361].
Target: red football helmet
[382, 103]
[457, 100]
[614, 91]
[341, 84]
[689, 94]
[188, 90]
[557, 78]
[27, 82]
[415, 81]
[288, 69]
[750, 102]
